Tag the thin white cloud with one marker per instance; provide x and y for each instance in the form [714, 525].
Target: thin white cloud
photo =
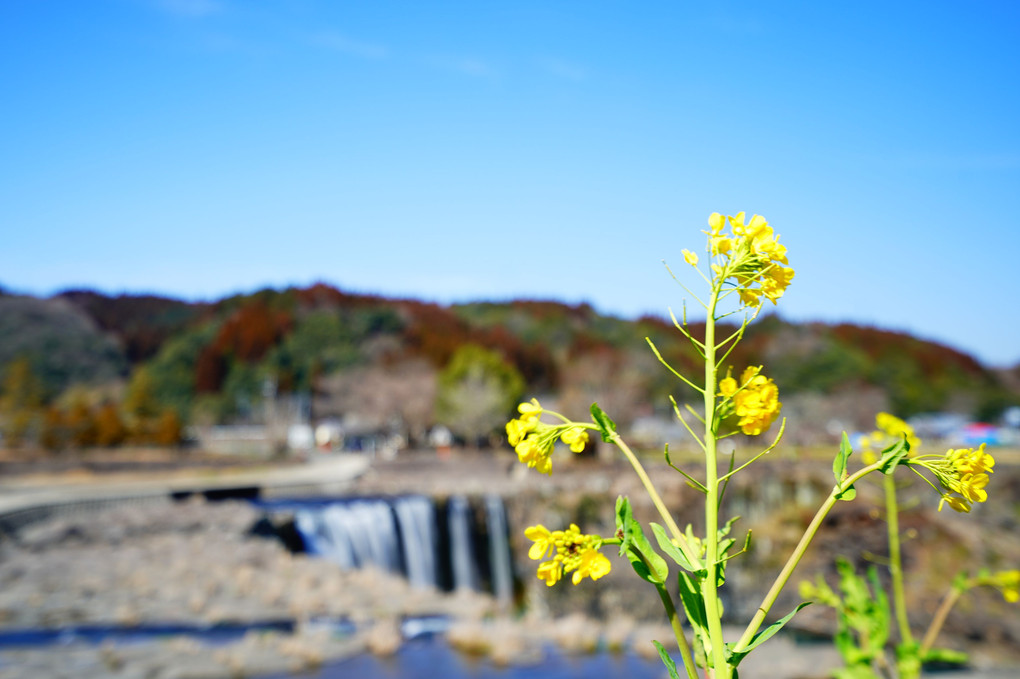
[561, 68]
[465, 65]
[190, 8]
[338, 42]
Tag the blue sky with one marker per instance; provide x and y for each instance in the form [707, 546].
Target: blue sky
[461, 151]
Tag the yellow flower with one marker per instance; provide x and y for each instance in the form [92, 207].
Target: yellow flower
[1007, 582]
[894, 428]
[543, 540]
[755, 402]
[516, 430]
[690, 257]
[737, 224]
[749, 297]
[750, 258]
[593, 565]
[972, 487]
[955, 503]
[727, 387]
[531, 410]
[574, 552]
[535, 450]
[721, 245]
[968, 461]
[774, 282]
[551, 572]
[963, 471]
[576, 438]
[758, 228]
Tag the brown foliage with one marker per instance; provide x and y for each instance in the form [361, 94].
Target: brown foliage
[140, 322]
[436, 333]
[167, 430]
[251, 331]
[110, 429]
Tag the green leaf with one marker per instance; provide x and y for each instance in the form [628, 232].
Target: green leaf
[839, 466]
[763, 636]
[672, 551]
[725, 530]
[667, 661]
[635, 546]
[694, 604]
[604, 422]
[945, 655]
[893, 455]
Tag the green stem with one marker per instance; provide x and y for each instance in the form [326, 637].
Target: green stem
[952, 596]
[797, 555]
[895, 560]
[678, 632]
[709, 585]
[660, 506]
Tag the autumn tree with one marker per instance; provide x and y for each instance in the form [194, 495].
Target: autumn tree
[477, 392]
[21, 400]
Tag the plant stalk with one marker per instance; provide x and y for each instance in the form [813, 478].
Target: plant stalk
[709, 585]
[678, 632]
[892, 522]
[797, 555]
[948, 601]
[660, 506]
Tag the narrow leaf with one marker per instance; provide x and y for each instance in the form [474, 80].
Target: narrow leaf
[764, 635]
[604, 422]
[892, 456]
[847, 494]
[694, 604]
[667, 661]
[671, 550]
[635, 546]
[842, 457]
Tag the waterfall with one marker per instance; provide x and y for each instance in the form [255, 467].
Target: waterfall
[416, 516]
[462, 552]
[353, 534]
[410, 536]
[499, 549]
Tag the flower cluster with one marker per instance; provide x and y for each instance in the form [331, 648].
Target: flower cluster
[754, 400]
[571, 551]
[533, 440]
[1007, 582]
[751, 255]
[962, 473]
[889, 430]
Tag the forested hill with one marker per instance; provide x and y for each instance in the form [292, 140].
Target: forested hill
[212, 361]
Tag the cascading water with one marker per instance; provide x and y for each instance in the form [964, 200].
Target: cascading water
[499, 549]
[417, 519]
[409, 535]
[462, 553]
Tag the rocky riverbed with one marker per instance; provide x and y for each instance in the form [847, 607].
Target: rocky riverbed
[197, 563]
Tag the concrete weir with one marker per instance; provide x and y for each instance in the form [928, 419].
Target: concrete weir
[24, 503]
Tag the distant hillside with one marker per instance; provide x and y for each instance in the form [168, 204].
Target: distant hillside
[350, 352]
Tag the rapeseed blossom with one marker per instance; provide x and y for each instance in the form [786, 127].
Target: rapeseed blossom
[751, 255]
[571, 551]
[534, 440]
[754, 401]
[889, 431]
[1007, 582]
[962, 475]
